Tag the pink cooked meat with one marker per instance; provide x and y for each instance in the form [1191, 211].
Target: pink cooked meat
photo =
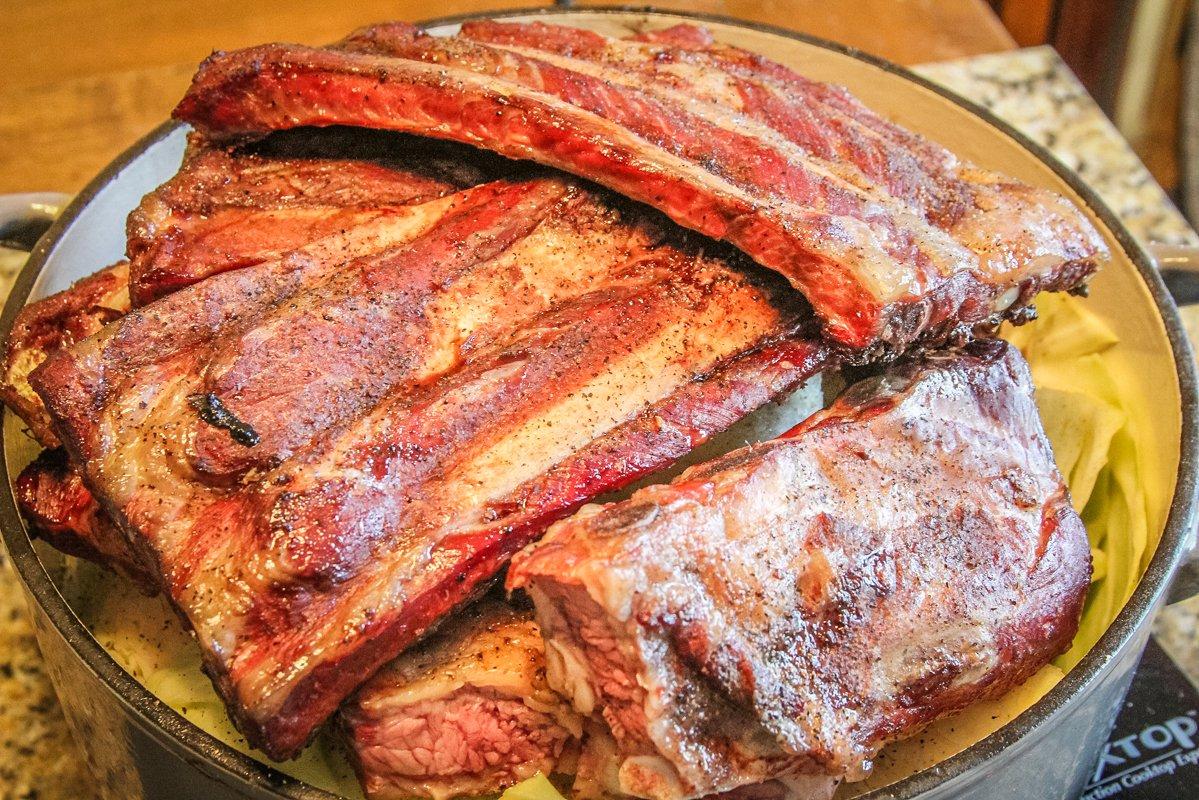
[467, 712]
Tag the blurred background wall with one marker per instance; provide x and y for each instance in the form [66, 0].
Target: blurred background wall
[1131, 55]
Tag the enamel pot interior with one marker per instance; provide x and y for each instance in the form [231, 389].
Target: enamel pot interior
[1127, 294]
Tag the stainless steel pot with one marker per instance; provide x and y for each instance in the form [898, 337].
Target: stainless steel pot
[139, 748]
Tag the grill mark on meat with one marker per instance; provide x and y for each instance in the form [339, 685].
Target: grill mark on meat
[214, 413]
[549, 376]
[228, 300]
[230, 239]
[721, 145]
[877, 271]
[845, 162]
[677, 425]
[884, 564]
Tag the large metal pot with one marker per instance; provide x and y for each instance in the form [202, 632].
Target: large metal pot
[139, 747]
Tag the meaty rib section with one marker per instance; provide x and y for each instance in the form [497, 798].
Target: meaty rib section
[792, 606]
[49, 324]
[177, 334]
[61, 511]
[405, 315]
[573, 353]
[52, 495]
[224, 209]
[465, 713]
[230, 208]
[932, 245]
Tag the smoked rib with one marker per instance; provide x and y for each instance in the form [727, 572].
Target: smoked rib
[61, 510]
[225, 209]
[591, 345]
[887, 234]
[229, 208]
[51, 324]
[790, 607]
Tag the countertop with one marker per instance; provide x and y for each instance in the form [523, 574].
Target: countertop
[1031, 88]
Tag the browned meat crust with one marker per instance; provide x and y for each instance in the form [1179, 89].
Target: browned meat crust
[231, 208]
[61, 510]
[50, 324]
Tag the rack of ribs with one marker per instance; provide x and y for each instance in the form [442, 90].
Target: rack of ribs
[231, 208]
[790, 607]
[351, 389]
[888, 235]
[225, 209]
[467, 712]
[503, 354]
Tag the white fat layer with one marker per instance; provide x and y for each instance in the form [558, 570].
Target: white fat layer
[566, 672]
[650, 777]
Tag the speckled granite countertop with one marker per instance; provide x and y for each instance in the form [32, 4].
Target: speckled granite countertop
[1031, 88]
[1036, 92]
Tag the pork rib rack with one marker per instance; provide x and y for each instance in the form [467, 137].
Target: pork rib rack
[320, 454]
[224, 209]
[790, 607]
[887, 234]
[230, 208]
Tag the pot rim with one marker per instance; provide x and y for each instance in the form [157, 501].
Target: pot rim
[185, 737]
